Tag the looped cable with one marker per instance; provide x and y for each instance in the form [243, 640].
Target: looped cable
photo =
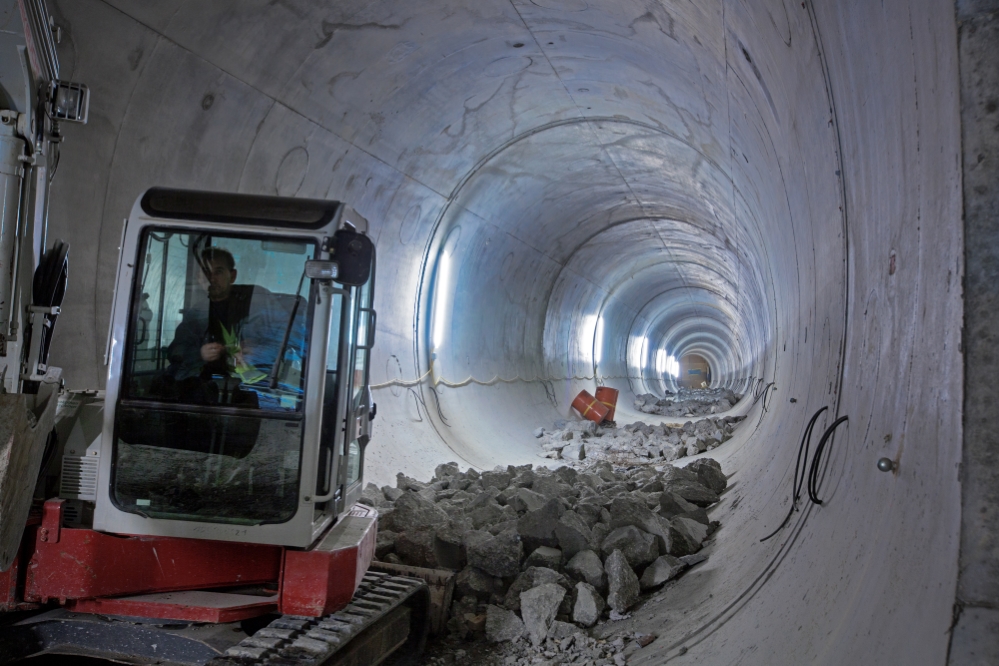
[802, 463]
[813, 472]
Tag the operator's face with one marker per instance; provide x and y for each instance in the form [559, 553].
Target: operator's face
[220, 280]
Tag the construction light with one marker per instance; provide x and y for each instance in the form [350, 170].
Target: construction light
[441, 299]
[598, 341]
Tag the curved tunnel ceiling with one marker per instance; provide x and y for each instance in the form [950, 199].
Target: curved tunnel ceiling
[721, 177]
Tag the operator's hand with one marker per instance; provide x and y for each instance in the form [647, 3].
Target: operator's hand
[212, 351]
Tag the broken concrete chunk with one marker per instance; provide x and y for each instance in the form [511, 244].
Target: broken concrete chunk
[574, 452]
[502, 625]
[639, 547]
[691, 560]
[562, 631]
[665, 568]
[416, 547]
[413, 512]
[523, 500]
[538, 607]
[537, 528]
[586, 566]
[589, 605]
[622, 582]
[709, 474]
[572, 533]
[384, 543]
[671, 505]
[539, 432]
[391, 494]
[496, 479]
[523, 479]
[474, 582]
[549, 486]
[543, 556]
[372, 496]
[693, 492]
[697, 531]
[403, 482]
[498, 556]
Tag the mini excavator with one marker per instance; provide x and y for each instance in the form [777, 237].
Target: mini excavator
[202, 508]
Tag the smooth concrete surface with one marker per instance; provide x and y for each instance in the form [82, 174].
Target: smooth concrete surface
[772, 184]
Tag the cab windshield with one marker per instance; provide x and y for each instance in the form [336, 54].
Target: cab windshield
[209, 422]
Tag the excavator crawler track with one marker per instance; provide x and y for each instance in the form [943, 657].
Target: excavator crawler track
[386, 612]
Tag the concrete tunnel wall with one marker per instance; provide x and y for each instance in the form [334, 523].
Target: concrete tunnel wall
[775, 185]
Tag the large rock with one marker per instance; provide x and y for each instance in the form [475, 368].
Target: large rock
[403, 482]
[449, 543]
[697, 531]
[474, 582]
[709, 473]
[682, 540]
[413, 512]
[502, 625]
[537, 528]
[484, 498]
[639, 547]
[538, 607]
[622, 582]
[524, 500]
[416, 547]
[663, 569]
[543, 556]
[630, 511]
[484, 516]
[496, 479]
[671, 505]
[550, 487]
[589, 605]
[573, 534]
[372, 496]
[384, 543]
[693, 492]
[498, 556]
[447, 470]
[586, 566]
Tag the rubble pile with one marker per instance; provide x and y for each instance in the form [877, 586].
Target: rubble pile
[688, 402]
[543, 555]
[635, 443]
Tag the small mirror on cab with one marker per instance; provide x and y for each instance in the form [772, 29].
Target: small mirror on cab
[353, 252]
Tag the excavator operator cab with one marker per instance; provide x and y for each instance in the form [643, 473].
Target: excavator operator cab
[237, 404]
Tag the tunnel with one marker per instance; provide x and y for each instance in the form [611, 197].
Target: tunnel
[564, 194]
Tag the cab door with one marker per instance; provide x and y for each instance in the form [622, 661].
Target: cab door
[347, 410]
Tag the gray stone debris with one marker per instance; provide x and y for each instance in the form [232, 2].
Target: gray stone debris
[587, 566]
[538, 607]
[498, 556]
[582, 442]
[665, 568]
[502, 625]
[688, 402]
[638, 547]
[589, 605]
[549, 553]
[621, 581]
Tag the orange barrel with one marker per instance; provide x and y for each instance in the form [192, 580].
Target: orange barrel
[608, 396]
[589, 407]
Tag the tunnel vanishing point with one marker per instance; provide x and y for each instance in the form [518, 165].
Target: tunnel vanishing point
[567, 192]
